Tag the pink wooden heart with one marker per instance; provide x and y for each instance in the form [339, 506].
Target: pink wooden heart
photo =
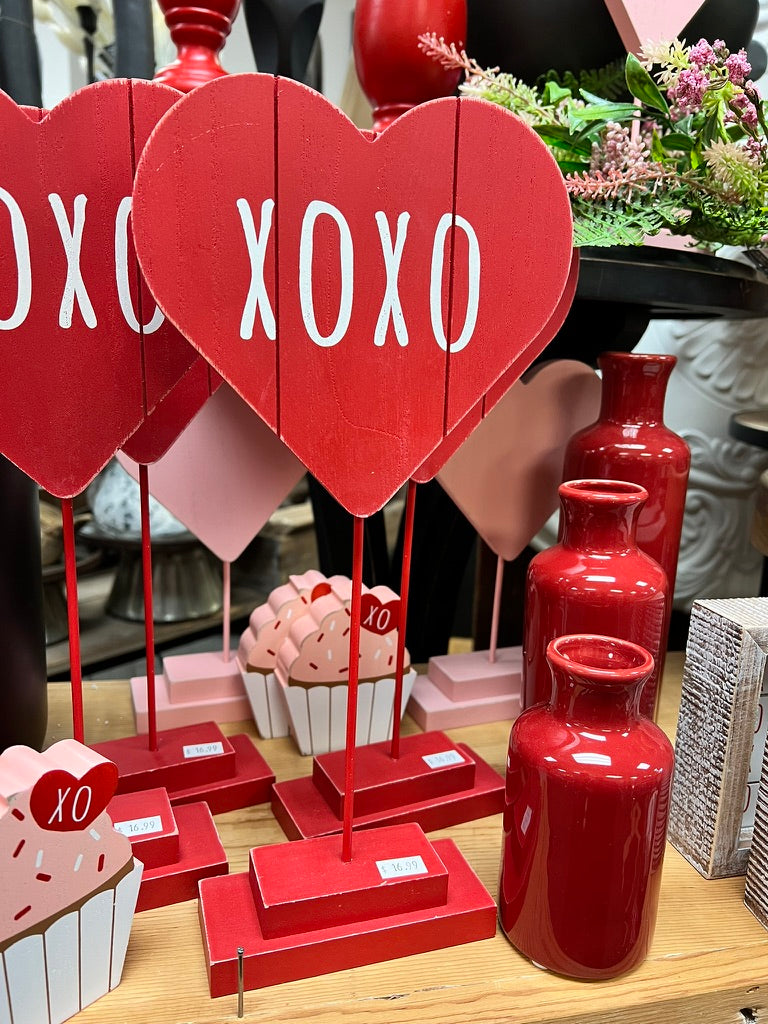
[164, 424]
[641, 21]
[225, 475]
[505, 476]
[374, 325]
[84, 352]
[450, 444]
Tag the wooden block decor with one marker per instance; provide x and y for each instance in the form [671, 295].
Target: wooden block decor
[361, 293]
[720, 735]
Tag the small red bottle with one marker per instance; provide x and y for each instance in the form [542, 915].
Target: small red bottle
[585, 818]
[594, 580]
[629, 441]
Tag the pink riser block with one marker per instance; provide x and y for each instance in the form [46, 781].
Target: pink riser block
[472, 676]
[431, 709]
[172, 716]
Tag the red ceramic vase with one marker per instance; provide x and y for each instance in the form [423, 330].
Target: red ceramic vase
[585, 817]
[630, 442]
[594, 580]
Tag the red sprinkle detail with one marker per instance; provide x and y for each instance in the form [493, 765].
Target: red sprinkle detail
[349, 613]
[304, 599]
[100, 865]
[269, 651]
[18, 849]
[313, 665]
[19, 817]
[345, 631]
[344, 669]
[277, 624]
[320, 637]
[21, 913]
[43, 878]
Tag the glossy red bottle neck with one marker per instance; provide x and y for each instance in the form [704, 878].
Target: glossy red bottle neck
[597, 681]
[600, 515]
[634, 387]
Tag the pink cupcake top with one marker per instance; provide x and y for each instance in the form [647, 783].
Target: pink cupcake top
[269, 623]
[316, 649]
[57, 843]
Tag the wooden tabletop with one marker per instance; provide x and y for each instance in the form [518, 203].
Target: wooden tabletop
[708, 962]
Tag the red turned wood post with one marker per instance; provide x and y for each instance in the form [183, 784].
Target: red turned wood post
[199, 33]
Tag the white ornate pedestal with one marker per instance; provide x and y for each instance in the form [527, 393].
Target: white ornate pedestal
[722, 368]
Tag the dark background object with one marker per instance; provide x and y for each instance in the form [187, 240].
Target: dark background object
[528, 39]
[283, 36]
[23, 691]
[134, 43]
[19, 60]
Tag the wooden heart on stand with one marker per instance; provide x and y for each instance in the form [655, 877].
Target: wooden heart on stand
[642, 21]
[84, 351]
[505, 476]
[404, 284]
[224, 476]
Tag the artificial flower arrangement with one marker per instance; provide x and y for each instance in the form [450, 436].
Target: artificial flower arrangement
[689, 155]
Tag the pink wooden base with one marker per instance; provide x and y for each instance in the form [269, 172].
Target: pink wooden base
[229, 918]
[193, 688]
[468, 689]
[233, 775]
[391, 791]
[187, 848]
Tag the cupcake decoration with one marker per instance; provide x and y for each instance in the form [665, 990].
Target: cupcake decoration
[70, 883]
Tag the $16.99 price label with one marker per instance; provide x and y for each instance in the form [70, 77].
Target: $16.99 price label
[401, 867]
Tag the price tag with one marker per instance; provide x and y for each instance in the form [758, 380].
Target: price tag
[401, 867]
[203, 749]
[140, 826]
[443, 759]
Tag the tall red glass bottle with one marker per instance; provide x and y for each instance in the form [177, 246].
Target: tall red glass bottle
[629, 441]
[594, 580]
[585, 818]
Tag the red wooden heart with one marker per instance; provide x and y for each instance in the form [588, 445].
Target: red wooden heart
[352, 316]
[62, 802]
[84, 353]
[164, 425]
[377, 616]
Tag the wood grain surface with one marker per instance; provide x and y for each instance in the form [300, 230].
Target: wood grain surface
[709, 959]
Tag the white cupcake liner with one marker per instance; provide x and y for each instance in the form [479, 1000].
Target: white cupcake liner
[79, 957]
[265, 695]
[318, 714]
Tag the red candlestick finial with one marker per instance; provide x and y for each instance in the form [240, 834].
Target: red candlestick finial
[394, 74]
[199, 33]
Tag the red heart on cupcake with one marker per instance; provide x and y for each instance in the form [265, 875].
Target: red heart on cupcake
[84, 352]
[360, 293]
[62, 802]
[377, 616]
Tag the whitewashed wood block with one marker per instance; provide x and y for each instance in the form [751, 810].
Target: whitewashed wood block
[720, 723]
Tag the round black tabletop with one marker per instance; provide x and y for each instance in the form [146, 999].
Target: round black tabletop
[672, 283]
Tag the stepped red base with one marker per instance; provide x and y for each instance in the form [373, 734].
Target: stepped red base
[452, 786]
[178, 846]
[229, 918]
[196, 762]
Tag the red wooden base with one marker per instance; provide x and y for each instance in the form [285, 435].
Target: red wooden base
[178, 846]
[229, 916]
[454, 785]
[196, 762]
